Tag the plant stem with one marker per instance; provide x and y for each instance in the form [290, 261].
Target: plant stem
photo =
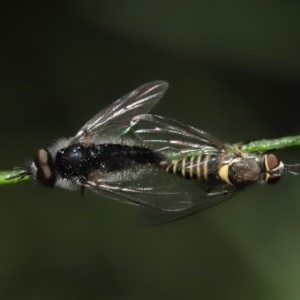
[274, 144]
[13, 176]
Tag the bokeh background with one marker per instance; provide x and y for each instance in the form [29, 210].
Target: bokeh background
[234, 71]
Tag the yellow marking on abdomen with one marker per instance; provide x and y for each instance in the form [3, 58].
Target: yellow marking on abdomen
[223, 173]
[199, 167]
[183, 167]
[205, 167]
[192, 167]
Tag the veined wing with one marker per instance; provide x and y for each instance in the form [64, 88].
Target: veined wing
[154, 217]
[142, 185]
[174, 139]
[163, 197]
[113, 121]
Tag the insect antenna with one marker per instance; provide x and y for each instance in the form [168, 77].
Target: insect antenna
[291, 169]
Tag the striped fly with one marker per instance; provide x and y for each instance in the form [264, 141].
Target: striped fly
[215, 170]
[169, 169]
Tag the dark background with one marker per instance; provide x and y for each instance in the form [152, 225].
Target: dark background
[233, 69]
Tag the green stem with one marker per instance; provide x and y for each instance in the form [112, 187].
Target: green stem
[13, 176]
[274, 144]
[16, 176]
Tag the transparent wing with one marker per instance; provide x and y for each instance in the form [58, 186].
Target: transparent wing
[174, 139]
[143, 185]
[163, 197]
[154, 217]
[113, 121]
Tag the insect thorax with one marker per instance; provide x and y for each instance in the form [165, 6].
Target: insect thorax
[79, 160]
[245, 171]
[258, 168]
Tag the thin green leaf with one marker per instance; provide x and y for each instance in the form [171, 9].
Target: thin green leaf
[274, 144]
[13, 176]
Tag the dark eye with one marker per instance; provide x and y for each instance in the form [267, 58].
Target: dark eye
[272, 162]
[45, 168]
[272, 179]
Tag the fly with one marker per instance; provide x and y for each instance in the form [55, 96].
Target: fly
[220, 170]
[108, 159]
[169, 169]
[98, 148]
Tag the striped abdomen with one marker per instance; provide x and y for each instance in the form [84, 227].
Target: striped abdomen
[231, 169]
[203, 167]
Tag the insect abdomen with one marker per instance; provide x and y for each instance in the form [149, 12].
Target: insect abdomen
[81, 159]
[202, 167]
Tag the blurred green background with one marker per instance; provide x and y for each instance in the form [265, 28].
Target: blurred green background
[234, 71]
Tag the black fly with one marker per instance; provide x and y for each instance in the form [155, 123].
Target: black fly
[106, 157]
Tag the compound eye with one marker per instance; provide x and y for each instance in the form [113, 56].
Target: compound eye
[272, 164]
[45, 168]
[272, 179]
